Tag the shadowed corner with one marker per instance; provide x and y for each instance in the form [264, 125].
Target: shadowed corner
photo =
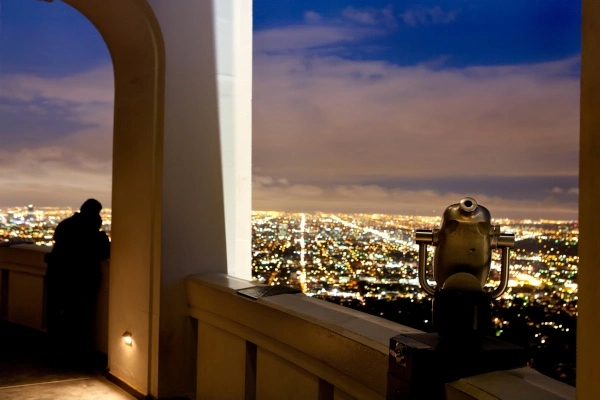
[31, 369]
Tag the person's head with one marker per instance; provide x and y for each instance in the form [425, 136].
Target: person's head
[90, 207]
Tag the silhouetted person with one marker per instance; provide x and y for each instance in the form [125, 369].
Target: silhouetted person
[73, 279]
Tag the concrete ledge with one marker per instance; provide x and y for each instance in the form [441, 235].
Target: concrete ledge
[515, 384]
[301, 339]
[24, 258]
[23, 292]
[370, 330]
[344, 347]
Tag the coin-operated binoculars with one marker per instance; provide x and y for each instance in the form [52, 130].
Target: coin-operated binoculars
[421, 364]
[461, 265]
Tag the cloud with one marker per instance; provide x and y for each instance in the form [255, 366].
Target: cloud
[569, 191]
[86, 87]
[303, 37]
[326, 121]
[64, 151]
[329, 133]
[394, 201]
[329, 34]
[312, 17]
[428, 16]
[371, 16]
[334, 119]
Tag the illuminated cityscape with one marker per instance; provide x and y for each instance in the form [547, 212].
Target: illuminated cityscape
[375, 256]
[369, 262]
[29, 224]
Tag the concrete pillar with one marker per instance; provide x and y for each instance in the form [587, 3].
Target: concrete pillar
[233, 28]
[588, 323]
[206, 186]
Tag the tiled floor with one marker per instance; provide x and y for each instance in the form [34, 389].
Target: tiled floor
[30, 371]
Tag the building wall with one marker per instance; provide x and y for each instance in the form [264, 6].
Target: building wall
[588, 323]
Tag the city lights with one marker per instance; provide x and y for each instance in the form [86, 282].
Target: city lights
[369, 262]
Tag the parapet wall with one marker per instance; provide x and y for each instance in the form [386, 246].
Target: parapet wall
[291, 346]
[23, 291]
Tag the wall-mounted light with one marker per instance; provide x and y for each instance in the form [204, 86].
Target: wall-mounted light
[127, 338]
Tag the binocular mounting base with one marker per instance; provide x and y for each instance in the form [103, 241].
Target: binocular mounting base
[420, 364]
[460, 314]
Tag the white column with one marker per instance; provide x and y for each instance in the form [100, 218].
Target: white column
[233, 20]
[206, 166]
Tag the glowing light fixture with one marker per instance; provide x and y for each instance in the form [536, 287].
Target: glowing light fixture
[127, 338]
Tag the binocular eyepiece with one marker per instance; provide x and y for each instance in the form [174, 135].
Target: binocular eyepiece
[461, 266]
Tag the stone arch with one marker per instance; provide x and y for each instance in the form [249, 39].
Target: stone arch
[134, 39]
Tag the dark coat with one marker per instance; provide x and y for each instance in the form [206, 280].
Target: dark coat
[78, 249]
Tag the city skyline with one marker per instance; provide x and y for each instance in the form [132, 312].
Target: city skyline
[358, 107]
[35, 224]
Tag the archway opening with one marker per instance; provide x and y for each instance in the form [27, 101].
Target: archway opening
[57, 95]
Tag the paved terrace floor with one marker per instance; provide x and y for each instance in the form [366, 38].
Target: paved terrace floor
[30, 370]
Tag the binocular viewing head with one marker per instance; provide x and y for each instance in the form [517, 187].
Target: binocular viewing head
[463, 255]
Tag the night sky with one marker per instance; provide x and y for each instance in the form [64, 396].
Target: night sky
[359, 106]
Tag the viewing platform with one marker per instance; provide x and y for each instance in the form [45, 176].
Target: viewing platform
[281, 346]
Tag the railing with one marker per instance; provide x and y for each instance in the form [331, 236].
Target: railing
[23, 291]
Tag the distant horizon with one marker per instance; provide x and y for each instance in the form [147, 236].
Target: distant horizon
[430, 215]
